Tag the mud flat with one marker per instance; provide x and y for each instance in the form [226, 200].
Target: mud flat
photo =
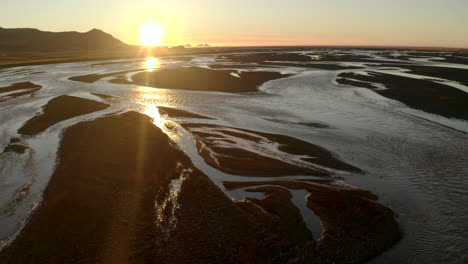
[320, 66]
[420, 94]
[220, 148]
[91, 78]
[262, 57]
[99, 204]
[173, 112]
[59, 109]
[200, 79]
[122, 192]
[18, 89]
[355, 226]
[452, 74]
[305, 59]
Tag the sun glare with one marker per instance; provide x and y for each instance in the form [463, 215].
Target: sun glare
[151, 34]
[151, 63]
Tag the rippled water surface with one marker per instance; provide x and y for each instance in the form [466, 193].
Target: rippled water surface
[416, 162]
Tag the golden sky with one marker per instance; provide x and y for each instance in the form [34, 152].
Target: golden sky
[254, 22]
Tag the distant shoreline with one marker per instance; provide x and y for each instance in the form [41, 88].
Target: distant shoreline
[40, 59]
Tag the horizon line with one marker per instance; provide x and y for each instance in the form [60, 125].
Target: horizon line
[265, 46]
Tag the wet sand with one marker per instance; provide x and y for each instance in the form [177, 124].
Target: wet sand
[355, 227]
[452, 74]
[173, 112]
[99, 207]
[307, 124]
[420, 94]
[16, 148]
[249, 163]
[200, 79]
[330, 67]
[20, 88]
[124, 193]
[91, 78]
[305, 59]
[263, 57]
[59, 109]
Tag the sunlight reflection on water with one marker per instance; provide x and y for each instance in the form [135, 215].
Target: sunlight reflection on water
[166, 125]
[151, 63]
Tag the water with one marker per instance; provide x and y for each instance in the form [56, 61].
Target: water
[415, 161]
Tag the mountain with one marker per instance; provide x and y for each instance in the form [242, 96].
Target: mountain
[28, 40]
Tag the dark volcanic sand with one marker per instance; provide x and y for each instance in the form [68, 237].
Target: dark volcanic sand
[31, 88]
[243, 162]
[320, 66]
[59, 109]
[16, 148]
[420, 94]
[262, 57]
[452, 74]
[91, 78]
[99, 204]
[173, 112]
[200, 79]
[114, 197]
[280, 58]
[355, 227]
[99, 208]
[308, 124]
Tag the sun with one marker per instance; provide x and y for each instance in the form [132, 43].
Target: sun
[151, 34]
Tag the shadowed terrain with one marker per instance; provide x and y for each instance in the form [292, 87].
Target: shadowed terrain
[199, 79]
[57, 110]
[98, 208]
[310, 168]
[421, 94]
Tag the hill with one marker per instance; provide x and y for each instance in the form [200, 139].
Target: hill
[16, 41]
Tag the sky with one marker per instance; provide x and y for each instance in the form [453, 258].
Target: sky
[435, 23]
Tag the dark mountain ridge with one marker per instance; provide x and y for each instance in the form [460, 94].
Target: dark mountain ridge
[20, 40]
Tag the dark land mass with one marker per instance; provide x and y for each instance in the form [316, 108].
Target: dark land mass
[27, 46]
[20, 87]
[17, 40]
[173, 112]
[16, 148]
[263, 57]
[57, 110]
[235, 66]
[358, 233]
[308, 124]
[425, 95]
[200, 79]
[247, 163]
[105, 96]
[452, 74]
[99, 207]
[320, 66]
[119, 62]
[450, 57]
[348, 58]
[281, 59]
[463, 59]
[180, 58]
[99, 204]
[430, 53]
[91, 78]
